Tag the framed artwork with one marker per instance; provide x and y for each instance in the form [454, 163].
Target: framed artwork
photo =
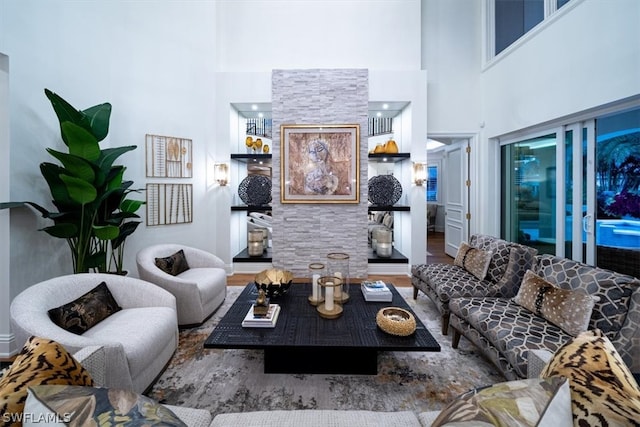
[168, 157]
[320, 163]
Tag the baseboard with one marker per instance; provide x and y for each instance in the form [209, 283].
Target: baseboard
[8, 346]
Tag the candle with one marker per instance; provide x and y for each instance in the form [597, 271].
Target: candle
[338, 293]
[314, 288]
[328, 299]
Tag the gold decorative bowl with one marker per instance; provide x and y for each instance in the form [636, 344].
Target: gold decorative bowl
[396, 321]
[275, 282]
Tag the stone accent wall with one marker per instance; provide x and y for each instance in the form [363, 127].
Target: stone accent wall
[305, 233]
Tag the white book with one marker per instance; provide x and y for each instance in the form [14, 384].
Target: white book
[376, 291]
[268, 321]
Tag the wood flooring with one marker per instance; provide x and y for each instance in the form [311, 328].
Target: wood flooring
[435, 246]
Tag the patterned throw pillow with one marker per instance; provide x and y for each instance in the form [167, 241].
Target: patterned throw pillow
[41, 361]
[173, 264]
[603, 391]
[530, 402]
[80, 315]
[87, 406]
[568, 309]
[474, 260]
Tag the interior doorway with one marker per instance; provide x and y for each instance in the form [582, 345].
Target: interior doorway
[454, 188]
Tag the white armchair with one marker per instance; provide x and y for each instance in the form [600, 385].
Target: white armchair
[199, 291]
[138, 341]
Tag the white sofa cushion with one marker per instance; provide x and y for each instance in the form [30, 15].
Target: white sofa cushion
[141, 331]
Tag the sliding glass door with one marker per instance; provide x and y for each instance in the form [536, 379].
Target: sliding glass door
[529, 192]
[576, 192]
[617, 192]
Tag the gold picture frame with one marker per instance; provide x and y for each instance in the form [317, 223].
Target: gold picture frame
[320, 163]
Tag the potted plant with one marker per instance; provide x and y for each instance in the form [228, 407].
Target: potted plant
[93, 213]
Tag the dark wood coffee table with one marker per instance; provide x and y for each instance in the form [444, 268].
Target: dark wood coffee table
[304, 342]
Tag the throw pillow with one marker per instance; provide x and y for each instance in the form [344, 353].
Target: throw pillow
[529, 402]
[41, 361]
[86, 406]
[474, 260]
[83, 313]
[568, 309]
[173, 264]
[602, 387]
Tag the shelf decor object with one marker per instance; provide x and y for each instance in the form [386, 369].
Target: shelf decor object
[384, 190]
[255, 243]
[168, 157]
[384, 247]
[255, 190]
[320, 163]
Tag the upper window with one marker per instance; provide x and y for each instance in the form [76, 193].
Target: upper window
[514, 18]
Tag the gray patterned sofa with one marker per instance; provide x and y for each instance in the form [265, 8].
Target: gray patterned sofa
[443, 282]
[506, 332]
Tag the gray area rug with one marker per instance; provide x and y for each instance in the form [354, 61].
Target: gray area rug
[223, 381]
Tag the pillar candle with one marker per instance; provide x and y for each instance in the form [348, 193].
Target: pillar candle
[328, 299]
[338, 293]
[314, 287]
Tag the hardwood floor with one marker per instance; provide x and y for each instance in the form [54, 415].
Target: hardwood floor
[435, 247]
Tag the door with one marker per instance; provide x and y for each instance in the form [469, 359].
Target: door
[456, 196]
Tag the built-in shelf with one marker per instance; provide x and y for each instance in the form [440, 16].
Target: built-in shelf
[388, 157]
[395, 208]
[395, 258]
[243, 256]
[251, 157]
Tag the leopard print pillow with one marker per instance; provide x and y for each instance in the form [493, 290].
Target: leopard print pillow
[603, 390]
[41, 361]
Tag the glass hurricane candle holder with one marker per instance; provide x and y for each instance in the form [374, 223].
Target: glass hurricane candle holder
[330, 308]
[255, 243]
[316, 271]
[384, 247]
[338, 266]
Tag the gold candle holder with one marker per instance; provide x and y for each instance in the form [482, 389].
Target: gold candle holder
[330, 308]
[338, 266]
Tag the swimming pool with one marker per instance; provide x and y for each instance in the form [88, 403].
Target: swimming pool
[621, 233]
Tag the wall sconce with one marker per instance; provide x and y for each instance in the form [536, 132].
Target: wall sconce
[419, 173]
[221, 173]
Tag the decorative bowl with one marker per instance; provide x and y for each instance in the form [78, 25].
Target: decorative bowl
[396, 321]
[275, 282]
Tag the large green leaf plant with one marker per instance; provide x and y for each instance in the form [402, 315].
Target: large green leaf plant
[94, 214]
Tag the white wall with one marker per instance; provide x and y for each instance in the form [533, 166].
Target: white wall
[258, 35]
[452, 54]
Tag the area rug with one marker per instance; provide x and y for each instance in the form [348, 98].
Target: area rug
[223, 381]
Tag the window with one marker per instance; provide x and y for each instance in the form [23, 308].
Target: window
[512, 19]
[432, 183]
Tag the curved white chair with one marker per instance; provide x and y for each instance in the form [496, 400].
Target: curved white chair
[138, 341]
[199, 291]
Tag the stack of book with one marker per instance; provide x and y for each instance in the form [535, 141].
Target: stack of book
[267, 321]
[376, 291]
